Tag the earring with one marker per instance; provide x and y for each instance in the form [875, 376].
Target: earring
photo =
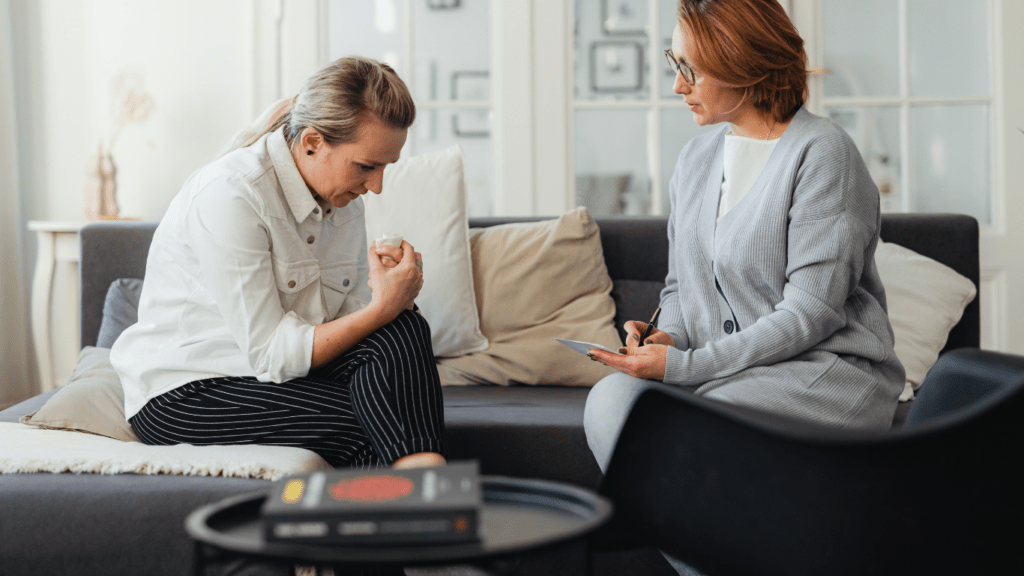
[309, 153]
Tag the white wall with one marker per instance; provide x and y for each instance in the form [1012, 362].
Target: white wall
[196, 61]
[195, 57]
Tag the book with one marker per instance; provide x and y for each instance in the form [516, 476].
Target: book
[432, 505]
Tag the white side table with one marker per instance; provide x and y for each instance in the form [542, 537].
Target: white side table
[58, 246]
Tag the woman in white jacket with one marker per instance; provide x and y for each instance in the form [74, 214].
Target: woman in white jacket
[264, 317]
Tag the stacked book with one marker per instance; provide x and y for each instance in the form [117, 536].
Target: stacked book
[412, 506]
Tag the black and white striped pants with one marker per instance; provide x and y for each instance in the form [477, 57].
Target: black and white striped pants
[376, 402]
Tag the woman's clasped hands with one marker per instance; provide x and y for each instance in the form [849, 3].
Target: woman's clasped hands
[396, 277]
[647, 361]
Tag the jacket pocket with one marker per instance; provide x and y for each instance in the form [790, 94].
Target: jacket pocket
[338, 282]
[296, 284]
[293, 277]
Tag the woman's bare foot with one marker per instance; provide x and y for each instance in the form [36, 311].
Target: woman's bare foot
[419, 460]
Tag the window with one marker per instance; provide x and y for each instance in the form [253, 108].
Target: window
[628, 125]
[565, 103]
[924, 94]
[913, 88]
[584, 115]
[447, 73]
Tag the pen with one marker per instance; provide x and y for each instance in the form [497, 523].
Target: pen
[650, 326]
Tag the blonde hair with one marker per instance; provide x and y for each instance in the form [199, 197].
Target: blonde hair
[334, 101]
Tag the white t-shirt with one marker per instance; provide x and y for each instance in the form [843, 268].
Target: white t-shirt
[745, 159]
[242, 267]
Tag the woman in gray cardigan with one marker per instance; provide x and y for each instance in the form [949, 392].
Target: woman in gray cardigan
[772, 298]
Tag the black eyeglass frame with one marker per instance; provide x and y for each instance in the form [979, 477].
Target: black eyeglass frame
[688, 74]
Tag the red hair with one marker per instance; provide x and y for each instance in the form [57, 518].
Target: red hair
[750, 44]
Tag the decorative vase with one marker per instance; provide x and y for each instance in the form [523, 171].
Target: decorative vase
[101, 187]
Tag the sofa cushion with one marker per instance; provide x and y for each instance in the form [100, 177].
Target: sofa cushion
[425, 202]
[635, 300]
[526, 431]
[106, 524]
[120, 310]
[92, 401]
[925, 300]
[536, 282]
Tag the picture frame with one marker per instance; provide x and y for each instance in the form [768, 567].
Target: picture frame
[624, 17]
[471, 85]
[443, 4]
[616, 66]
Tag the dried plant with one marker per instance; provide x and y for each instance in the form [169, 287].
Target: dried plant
[131, 104]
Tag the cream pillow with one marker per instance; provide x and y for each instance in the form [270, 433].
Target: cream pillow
[92, 401]
[536, 282]
[925, 300]
[424, 199]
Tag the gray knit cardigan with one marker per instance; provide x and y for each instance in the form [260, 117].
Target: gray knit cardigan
[779, 306]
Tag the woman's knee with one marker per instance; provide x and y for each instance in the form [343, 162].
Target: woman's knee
[408, 326]
[608, 405]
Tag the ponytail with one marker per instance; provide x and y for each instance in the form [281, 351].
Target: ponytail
[272, 118]
[334, 101]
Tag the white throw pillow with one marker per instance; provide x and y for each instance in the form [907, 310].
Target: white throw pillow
[925, 299]
[424, 199]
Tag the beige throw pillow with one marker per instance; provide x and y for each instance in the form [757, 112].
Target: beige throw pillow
[92, 401]
[424, 199]
[925, 300]
[536, 282]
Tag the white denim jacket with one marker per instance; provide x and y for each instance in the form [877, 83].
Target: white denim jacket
[242, 267]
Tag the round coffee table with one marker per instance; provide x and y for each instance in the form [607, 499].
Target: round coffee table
[518, 516]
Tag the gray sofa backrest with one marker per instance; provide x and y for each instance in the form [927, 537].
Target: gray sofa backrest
[635, 250]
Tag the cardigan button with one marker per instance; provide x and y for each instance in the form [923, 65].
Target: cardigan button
[291, 283]
[309, 240]
[728, 326]
[316, 210]
[345, 283]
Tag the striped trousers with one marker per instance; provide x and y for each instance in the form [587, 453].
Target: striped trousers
[376, 402]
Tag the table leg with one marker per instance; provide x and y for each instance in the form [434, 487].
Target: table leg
[198, 559]
[42, 290]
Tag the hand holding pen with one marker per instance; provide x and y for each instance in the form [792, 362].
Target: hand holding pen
[639, 334]
[644, 355]
[650, 326]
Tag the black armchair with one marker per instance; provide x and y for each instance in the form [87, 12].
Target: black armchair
[733, 491]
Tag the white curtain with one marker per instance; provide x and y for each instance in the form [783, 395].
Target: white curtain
[16, 371]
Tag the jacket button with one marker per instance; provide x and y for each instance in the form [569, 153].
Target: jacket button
[316, 210]
[345, 283]
[309, 240]
[728, 326]
[291, 283]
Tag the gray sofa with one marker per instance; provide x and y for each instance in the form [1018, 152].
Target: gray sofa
[132, 524]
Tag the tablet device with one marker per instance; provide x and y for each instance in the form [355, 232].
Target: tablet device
[584, 347]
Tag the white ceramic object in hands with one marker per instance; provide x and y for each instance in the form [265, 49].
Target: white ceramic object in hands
[391, 240]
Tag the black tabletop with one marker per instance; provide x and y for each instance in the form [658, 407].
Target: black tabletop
[518, 515]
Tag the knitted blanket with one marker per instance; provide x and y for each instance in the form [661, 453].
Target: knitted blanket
[27, 449]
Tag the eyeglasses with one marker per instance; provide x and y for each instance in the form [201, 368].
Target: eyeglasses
[688, 74]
